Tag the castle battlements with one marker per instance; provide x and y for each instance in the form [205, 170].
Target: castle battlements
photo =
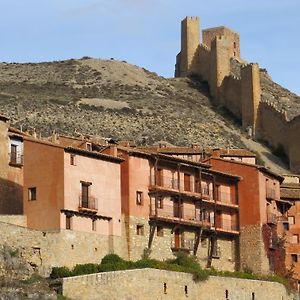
[211, 60]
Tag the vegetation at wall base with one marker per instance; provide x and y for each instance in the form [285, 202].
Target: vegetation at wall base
[181, 263]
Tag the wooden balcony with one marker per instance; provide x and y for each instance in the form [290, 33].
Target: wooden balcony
[171, 186]
[227, 226]
[88, 204]
[173, 215]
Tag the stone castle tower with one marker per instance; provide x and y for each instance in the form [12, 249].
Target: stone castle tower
[211, 62]
[235, 85]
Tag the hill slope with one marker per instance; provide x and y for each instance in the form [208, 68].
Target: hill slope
[111, 99]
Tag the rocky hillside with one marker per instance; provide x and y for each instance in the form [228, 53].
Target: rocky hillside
[112, 99]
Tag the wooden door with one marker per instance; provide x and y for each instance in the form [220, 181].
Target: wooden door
[177, 239]
[176, 207]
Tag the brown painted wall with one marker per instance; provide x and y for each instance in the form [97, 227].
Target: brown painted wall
[44, 170]
[11, 176]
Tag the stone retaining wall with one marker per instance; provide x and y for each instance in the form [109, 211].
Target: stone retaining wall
[153, 284]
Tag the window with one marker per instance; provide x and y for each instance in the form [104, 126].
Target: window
[139, 198]
[94, 228]
[160, 203]
[160, 231]
[68, 222]
[294, 258]
[291, 220]
[72, 159]
[234, 45]
[85, 194]
[187, 182]
[286, 226]
[15, 152]
[89, 146]
[32, 194]
[140, 229]
[295, 239]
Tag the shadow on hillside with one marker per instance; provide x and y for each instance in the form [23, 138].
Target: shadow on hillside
[280, 161]
[11, 197]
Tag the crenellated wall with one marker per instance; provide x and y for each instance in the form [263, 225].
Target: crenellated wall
[241, 95]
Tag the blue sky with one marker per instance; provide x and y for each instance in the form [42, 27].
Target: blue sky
[147, 32]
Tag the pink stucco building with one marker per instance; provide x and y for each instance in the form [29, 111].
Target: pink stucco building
[71, 188]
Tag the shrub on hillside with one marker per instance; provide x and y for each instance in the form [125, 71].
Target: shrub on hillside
[60, 272]
[82, 269]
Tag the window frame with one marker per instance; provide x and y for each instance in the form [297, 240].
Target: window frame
[32, 193]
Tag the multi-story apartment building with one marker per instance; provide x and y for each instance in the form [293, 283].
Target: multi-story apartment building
[171, 204]
[290, 194]
[261, 209]
[11, 168]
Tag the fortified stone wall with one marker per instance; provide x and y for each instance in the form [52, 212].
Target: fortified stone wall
[46, 249]
[231, 95]
[294, 144]
[273, 126]
[159, 284]
[242, 96]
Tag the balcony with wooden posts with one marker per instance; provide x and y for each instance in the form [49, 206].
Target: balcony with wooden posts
[227, 226]
[173, 213]
[88, 204]
[169, 185]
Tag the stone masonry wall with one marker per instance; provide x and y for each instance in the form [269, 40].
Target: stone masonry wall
[152, 284]
[46, 249]
[20, 220]
[294, 144]
[253, 255]
[161, 245]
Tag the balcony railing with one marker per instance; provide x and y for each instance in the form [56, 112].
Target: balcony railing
[88, 203]
[16, 158]
[271, 218]
[228, 225]
[184, 245]
[270, 193]
[186, 214]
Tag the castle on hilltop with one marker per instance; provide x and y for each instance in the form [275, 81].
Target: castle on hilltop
[236, 85]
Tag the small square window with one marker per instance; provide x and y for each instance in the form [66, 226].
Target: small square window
[139, 198]
[294, 257]
[140, 229]
[89, 146]
[68, 222]
[72, 159]
[32, 194]
[160, 231]
[291, 220]
[94, 228]
[286, 226]
[295, 239]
